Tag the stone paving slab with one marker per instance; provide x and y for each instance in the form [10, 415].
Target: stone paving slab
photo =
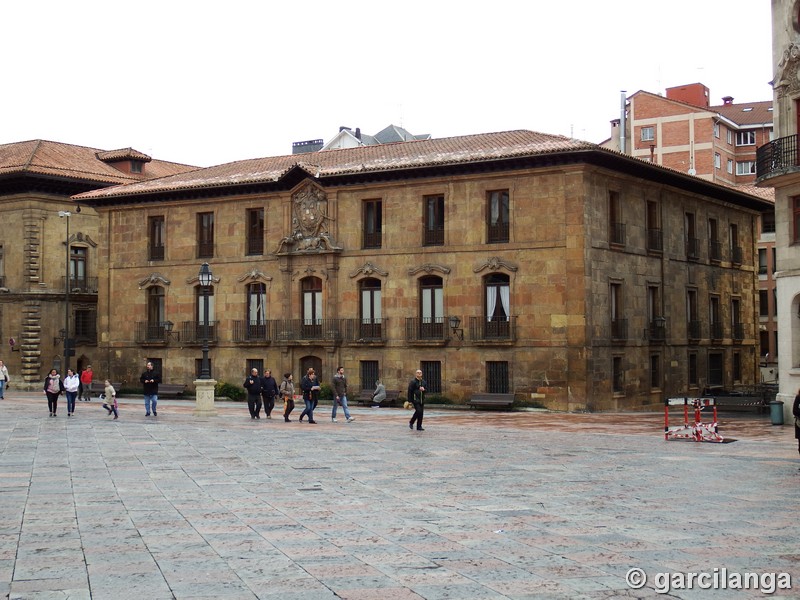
[481, 505]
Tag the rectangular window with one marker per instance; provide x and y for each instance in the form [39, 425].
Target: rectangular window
[655, 237]
[730, 166]
[693, 370]
[655, 371]
[737, 367]
[648, 134]
[617, 375]
[768, 222]
[205, 235]
[157, 238]
[714, 245]
[746, 167]
[737, 327]
[729, 136]
[763, 303]
[372, 224]
[717, 161]
[716, 130]
[497, 217]
[370, 373]
[255, 231]
[254, 363]
[616, 225]
[619, 325]
[715, 375]
[692, 243]
[497, 377]
[85, 327]
[432, 373]
[745, 138]
[762, 261]
[774, 259]
[796, 220]
[692, 316]
[434, 221]
[715, 317]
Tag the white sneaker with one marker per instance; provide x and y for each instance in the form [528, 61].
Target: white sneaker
[351, 419]
[333, 420]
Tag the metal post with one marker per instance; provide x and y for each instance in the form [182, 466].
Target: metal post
[205, 281]
[66, 214]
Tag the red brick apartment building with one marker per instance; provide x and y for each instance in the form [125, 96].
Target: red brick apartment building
[684, 132]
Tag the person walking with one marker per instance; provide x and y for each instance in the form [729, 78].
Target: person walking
[111, 399]
[379, 395]
[4, 379]
[416, 395]
[71, 384]
[287, 393]
[53, 386]
[253, 386]
[340, 395]
[150, 380]
[269, 390]
[311, 388]
[86, 381]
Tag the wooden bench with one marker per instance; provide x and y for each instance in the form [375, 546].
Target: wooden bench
[171, 389]
[491, 400]
[365, 397]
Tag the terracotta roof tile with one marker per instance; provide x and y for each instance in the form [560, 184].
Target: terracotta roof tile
[746, 113]
[56, 159]
[363, 159]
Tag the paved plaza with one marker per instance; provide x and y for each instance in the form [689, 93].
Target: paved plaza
[481, 505]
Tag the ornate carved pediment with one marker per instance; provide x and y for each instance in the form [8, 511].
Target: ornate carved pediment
[196, 278]
[368, 269]
[309, 271]
[254, 275]
[310, 232]
[154, 279]
[82, 238]
[429, 268]
[495, 263]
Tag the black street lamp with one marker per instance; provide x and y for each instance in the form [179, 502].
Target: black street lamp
[67, 284]
[205, 281]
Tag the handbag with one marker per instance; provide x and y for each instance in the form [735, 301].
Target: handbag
[407, 405]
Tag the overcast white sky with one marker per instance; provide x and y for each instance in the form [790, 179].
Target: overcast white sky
[205, 83]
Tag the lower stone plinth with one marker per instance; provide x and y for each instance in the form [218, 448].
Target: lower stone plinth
[204, 399]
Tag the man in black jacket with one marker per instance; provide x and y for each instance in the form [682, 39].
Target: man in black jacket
[150, 380]
[416, 395]
[269, 391]
[253, 386]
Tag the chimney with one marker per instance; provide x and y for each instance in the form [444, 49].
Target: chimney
[343, 128]
[727, 100]
[358, 133]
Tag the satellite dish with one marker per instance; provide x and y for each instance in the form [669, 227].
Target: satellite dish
[692, 172]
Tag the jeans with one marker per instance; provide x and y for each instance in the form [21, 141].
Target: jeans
[309, 410]
[71, 401]
[2, 389]
[343, 398]
[150, 400]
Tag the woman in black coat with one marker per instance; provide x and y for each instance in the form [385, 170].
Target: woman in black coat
[53, 388]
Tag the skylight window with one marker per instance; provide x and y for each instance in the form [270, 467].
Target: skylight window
[747, 109]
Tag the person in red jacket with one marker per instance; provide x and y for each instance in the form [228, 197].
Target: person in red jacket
[86, 381]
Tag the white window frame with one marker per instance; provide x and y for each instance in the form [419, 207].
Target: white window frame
[730, 166]
[746, 137]
[746, 167]
[717, 160]
[648, 133]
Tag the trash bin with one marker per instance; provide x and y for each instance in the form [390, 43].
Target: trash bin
[776, 412]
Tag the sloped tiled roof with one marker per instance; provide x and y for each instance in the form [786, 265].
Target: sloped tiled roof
[363, 159]
[746, 113]
[56, 159]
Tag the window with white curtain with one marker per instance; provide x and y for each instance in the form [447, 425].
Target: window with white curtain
[498, 297]
[257, 303]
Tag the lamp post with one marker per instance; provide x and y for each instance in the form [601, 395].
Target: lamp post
[65, 214]
[205, 281]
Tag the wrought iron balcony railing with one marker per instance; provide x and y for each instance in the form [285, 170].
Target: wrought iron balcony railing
[497, 233]
[80, 285]
[717, 331]
[657, 330]
[152, 332]
[738, 332]
[195, 332]
[692, 248]
[694, 330]
[655, 240]
[482, 329]
[715, 250]
[777, 155]
[427, 329]
[617, 234]
[737, 254]
[619, 330]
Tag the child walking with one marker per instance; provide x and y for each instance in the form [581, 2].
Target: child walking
[111, 399]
